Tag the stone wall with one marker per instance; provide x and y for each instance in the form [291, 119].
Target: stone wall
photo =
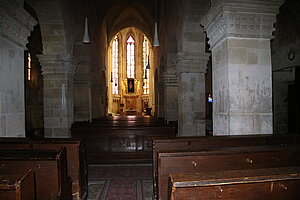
[15, 27]
[12, 111]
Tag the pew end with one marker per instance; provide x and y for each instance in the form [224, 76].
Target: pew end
[17, 186]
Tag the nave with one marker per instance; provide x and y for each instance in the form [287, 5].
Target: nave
[227, 68]
[231, 167]
[119, 155]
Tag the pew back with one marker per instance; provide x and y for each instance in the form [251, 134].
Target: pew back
[50, 167]
[274, 183]
[115, 145]
[77, 168]
[200, 143]
[233, 158]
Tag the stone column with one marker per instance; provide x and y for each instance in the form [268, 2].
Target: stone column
[82, 98]
[191, 93]
[58, 71]
[170, 82]
[239, 35]
[15, 27]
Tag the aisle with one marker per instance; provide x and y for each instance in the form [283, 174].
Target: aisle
[120, 182]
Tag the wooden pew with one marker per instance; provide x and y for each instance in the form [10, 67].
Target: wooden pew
[231, 158]
[273, 183]
[128, 118]
[120, 145]
[200, 143]
[17, 186]
[121, 121]
[50, 167]
[123, 124]
[77, 167]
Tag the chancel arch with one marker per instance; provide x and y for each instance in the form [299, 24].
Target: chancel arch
[130, 79]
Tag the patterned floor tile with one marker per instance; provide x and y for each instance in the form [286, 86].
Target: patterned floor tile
[120, 183]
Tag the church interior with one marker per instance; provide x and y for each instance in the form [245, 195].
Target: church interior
[149, 99]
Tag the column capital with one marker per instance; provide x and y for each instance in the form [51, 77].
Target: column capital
[58, 64]
[191, 63]
[169, 79]
[240, 18]
[15, 23]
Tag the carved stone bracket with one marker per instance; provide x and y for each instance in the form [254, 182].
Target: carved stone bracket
[169, 79]
[58, 64]
[241, 18]
[15, 22]
[186, 63]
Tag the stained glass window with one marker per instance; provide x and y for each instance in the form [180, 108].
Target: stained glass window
[146, 65]
[130, 57]
[115, 66]
[29, 67]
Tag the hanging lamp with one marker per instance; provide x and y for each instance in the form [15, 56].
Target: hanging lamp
[155, 41]
[86, 37]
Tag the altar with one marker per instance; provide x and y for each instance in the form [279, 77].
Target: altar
[131, 104]
[131, 94]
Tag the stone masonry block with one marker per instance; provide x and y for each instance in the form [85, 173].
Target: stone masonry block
[2, 125]
[241, 124]
[221, 124]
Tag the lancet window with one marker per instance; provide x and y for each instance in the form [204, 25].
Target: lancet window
[115, 66]
[146, 65]
[130, 57]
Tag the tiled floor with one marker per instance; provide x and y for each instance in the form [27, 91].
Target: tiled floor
[116, 182]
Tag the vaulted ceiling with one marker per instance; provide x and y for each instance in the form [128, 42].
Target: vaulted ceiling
[120, 14]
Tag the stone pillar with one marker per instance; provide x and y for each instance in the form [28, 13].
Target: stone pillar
[170, 82]
[58, 71]
[239, 35]
[82, 98]
[191, 93]
[15, 27]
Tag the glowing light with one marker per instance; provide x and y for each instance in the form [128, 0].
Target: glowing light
[210, 99]
[29, 67]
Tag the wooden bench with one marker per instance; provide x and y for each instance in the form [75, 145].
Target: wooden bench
[128, 118]
[122, 124]
[273, 183]
[232, 158]
[121, 121]
[120, 145]
[17, 186]
[200, 143]
[77, 167]
[50, 167]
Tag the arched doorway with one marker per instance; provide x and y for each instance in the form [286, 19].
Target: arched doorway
[130, 75]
